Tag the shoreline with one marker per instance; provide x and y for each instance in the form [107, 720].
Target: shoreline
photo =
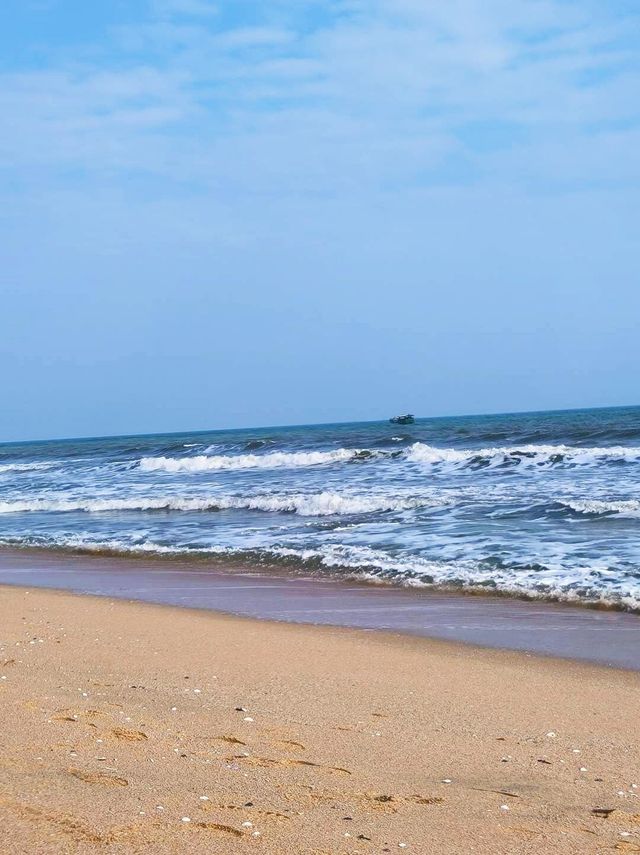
[133, 726]
[603, 636]
[241, 565]
[389, 637]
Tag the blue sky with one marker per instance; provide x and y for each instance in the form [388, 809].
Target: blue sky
[239, 212]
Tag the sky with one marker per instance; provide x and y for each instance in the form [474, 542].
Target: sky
[220, 213]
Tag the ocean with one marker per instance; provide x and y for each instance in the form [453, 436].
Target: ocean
[543, 505]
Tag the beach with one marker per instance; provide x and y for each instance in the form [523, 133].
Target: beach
[320, 430]
[138, 727]
[543, 505]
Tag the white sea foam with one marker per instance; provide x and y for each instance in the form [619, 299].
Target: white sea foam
[326, 503]
[25, 467]
[500, 516]
[419, 452]
[590, 583]
[593, 583]
[629, 508]
[54, 505]
[330, 503]
[86, 543]
[272, 460]
[524, 455]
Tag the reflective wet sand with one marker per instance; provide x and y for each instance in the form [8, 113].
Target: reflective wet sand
[606, 637]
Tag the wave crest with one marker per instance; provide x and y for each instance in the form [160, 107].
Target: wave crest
[524, 455]
[25, 467]
[272, 460]
[419, 452]
[326, 503]
[629, 508]
[593, 584]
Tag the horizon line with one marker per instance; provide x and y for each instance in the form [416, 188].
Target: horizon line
[311, 424]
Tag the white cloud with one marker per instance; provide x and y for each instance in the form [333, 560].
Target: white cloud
[383, 93]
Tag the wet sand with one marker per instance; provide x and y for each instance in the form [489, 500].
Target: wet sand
[129, 727]
[605, 637]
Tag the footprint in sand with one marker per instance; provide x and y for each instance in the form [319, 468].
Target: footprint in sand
[126, 735]
[63, 823]
[379, 802]
[233, 740]
[99, 778]
[74, 828]
[85, 716]
[289, 743]
[66, 717]
[253, 812]
[218, 826]
[286, 762]
[424, 800]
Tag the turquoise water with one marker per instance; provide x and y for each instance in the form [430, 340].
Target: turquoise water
[540, 504]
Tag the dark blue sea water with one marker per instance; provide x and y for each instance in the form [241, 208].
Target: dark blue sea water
[541, 504]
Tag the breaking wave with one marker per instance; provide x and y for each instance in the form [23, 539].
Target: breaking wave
[418, 452]
[628, 508]
[326, 503]
[331, 503]
[525, 455]
[272, 460]
[591, 584]
[25, 467]
[537, 504]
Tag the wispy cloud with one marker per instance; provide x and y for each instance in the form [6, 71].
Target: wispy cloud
[438, 195]
[328, 96]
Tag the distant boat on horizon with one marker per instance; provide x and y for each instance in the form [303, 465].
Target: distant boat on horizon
[407, 419]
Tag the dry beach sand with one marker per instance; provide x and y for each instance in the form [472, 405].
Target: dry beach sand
[137, 728]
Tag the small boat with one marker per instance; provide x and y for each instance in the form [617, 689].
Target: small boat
[407, 419]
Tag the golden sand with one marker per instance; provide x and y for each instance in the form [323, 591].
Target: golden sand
[135, 728]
